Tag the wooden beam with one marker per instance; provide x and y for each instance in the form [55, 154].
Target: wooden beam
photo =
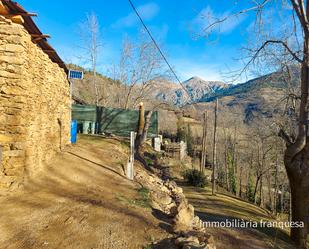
[20, 14]
[37, 39]
[40, 36]
[28, 14]
[49, 51]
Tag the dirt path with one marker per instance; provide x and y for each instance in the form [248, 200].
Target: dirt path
[221, 208]
[76, 202]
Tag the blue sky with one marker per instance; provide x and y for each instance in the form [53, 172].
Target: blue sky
[174, 23]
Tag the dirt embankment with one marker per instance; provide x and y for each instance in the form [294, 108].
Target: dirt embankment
[77, 202]
[82, 200]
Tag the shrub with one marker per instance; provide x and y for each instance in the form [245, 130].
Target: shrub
[195, 178]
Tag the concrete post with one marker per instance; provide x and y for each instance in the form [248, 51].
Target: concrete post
[130, 165]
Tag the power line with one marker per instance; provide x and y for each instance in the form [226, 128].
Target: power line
[160, 51]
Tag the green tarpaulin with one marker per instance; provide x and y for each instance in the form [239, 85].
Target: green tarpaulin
[112, 120]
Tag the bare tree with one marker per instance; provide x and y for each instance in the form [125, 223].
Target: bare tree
[90, 35]
[214, 164]
[139, 68]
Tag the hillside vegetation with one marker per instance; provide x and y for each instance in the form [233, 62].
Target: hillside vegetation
[225, 207]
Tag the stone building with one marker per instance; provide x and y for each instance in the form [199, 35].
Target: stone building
[34, 96]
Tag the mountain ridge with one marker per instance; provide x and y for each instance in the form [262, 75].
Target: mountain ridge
[177, 94]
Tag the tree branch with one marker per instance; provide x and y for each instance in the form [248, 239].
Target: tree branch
[265, 44]
[218, 21]
[285, 137]
[285, 45]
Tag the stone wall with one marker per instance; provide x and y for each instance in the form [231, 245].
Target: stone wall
[34, 105]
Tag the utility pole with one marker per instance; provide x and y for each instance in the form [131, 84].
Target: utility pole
[204, 140]
[214, 152]
[140, 129]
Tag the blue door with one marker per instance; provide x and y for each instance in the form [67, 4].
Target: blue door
[73, 131]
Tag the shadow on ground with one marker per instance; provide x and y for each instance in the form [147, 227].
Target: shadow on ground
[222, 208]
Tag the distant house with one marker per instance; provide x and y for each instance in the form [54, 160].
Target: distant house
[34, 96]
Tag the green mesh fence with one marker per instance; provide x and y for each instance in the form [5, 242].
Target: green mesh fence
[120, 122]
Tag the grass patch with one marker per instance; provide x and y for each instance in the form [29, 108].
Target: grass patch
[144, 197]
[149, 161]
[143, 200]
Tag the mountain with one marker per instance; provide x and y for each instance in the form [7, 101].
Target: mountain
[263, 97]
[274, 80]
[197, 88]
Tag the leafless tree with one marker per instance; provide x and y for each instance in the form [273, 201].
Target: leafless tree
[139, 67]
[90, 35]
[214, 153]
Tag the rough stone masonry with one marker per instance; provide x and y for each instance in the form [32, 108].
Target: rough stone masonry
[34, 105]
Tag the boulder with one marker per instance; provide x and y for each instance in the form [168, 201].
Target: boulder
[183, 220]
[162, 201]
[195, 240]
[161, 197]
[184, 241]
[172, 186]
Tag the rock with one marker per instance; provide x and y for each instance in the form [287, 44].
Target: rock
[194, 246]
[169, 198]
[172, 186]
[161, 197]
[174, 210]
[179, 198]
[181, 241]
[197, 223]
[202, 236]
[195, 240]
[5, 20]
[12, 60]
[12, 48]
[162, 201]
[211, 242]
[184, 218]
